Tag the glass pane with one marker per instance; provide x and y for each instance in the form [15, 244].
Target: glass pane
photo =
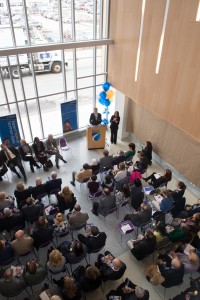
[25, 124]
[2, 93]
[100, 60]
[84, 62]
[84, 19]
[6, 40]
[100, 79]
[34, 118]
[70, 71]
[85, 82]
[51, 114]
[85, 106]
[4, 111]
[48, 62]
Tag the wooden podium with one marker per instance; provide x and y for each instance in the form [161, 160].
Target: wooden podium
[96, 137]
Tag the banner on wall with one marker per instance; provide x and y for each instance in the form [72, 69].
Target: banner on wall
[69, 116]
[9, 129]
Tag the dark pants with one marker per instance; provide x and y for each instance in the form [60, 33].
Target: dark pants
[3, 171]
[16, 162]
[113, 137]
[73, 175]
[57, 155]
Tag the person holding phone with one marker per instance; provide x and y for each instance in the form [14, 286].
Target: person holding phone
[114, 123]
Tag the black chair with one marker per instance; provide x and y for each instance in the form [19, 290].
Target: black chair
[12, 296]
[77, 228]
[94, 251]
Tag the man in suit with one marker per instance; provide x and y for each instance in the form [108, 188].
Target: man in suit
[94, 239]
[111, 268]
[105, 161]
[52, 149]
[95, 117]
[22, 243]
[42, 233]
[26, 154]
[77, 218]
[119, 158]
[13, 219]
[106, 203]
[10, 285]
[140, 217]
[31, 211]
[10, 155]
[3, 167]
[53, 183]
[39, 190]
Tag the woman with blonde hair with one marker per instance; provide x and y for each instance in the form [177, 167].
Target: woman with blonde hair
[66, 199]
[60, 226]
[21, 194]
[56, 261]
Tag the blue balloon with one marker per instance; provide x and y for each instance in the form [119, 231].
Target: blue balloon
[102, 95]
[101, 101]
[105, 121]
[107, 102]
[106, 86]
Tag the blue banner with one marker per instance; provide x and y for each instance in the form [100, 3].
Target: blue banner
[69, 116]
[9, 130]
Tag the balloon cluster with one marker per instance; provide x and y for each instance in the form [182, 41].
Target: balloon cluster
[105, 98]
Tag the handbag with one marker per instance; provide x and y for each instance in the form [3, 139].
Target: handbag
[155, 277]
[49, 164]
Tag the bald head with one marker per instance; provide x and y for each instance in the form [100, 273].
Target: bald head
[8, 275]
[19, 234]
[116, 263]
[7, 212]
[53, 175]
[38, 181]
[77, 207]
[176, 263]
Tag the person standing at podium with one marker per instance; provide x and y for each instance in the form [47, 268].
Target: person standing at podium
[95, 117]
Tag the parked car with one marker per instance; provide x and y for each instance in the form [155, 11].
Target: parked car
[69, 20]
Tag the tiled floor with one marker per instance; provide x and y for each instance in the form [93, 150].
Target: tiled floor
[80, 155]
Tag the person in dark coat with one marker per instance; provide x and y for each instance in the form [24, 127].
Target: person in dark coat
[21, 194]
[66, 199]
[143, 247]
[114, 125]
[3, 167]
[88, 278]
[94, 239]
[111, 268]
[6, 251]
[42, 233]
[140, 217]
[32, 210]
[147, 150]
[156, 182]
[13, 220]
[39, 190]
[137, 194]
[95, 117]
[178, 199]
[26, 155]
[10, 155]
[40, 152]
[53, 183]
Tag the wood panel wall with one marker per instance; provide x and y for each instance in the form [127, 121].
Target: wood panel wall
[173, 93]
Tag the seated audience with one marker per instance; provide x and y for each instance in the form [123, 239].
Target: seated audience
[140, 217]
[56, 261]
[137, 194]
[39, 190]
[93, 185]
[22, 243]
[53, 183]
[89, 278]
[40, 152]
[34, 273]
[42, 233]
[3, 167]
[52, 149]
[10, 285]
[119, 158]
[178, 233]
[111, 268]
[131, 152]
[69, 288]
[105, 161]
[73, 251]
[5, 200]
[60, 226]
[66, 199]
[82, 175]
[147, 150]
[94, 166]
[21, 194]
[178, 199]
[108, 183]
[143, 246]
[105, 204]
[134, 174]
[93, 239]
[13, 219]
[190, 210]
[166, 274]
[26, 155]
[129, 291]
[32, 210]
[164, 179]
[190, 261]
[120, 173]
[142, 164]
[160, 233]
[123, 195]
[6, 251]
[77, 218]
